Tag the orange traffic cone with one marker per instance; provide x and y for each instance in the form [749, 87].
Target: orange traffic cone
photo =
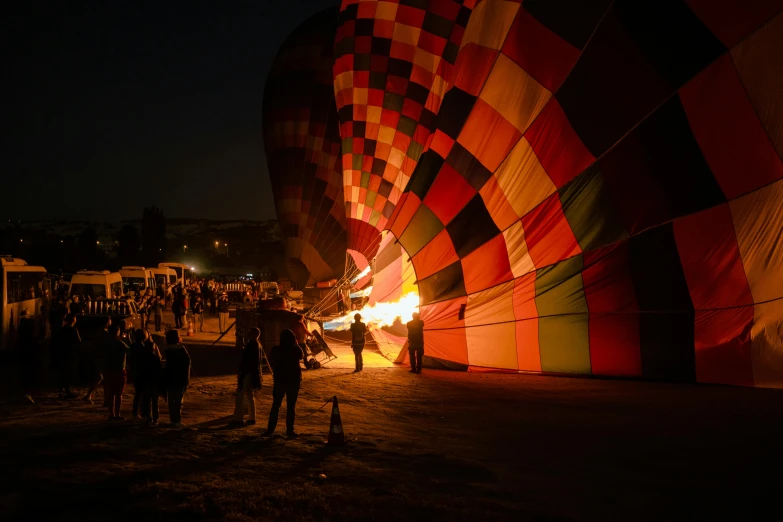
[190, 328]
[336, 435]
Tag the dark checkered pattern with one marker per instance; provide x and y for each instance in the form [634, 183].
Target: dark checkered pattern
[301, 138]
[392, 63]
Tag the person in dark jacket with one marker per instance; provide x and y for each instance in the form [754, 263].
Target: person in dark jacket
[416, 342]
[149, 375]
[176, 308]
[28, 348]
[140, 337]
[67, 348]
[287, 379]
[90, 363]
[157, 311]
[248, 378]
[57, 314]
[115, 358]
[358, 331]
[177, 375]
[76, 306]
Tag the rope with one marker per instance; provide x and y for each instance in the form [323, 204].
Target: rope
[319, 409]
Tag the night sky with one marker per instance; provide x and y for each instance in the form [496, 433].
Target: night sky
[114, 108]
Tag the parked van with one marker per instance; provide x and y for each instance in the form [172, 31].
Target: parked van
[183, 272]
[23, 290]
[92, 283]
[164, 275]
[137, 279]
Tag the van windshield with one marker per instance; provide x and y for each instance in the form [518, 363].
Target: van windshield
[84, 290]
[178, 270]
[172, 279]
[133, 284]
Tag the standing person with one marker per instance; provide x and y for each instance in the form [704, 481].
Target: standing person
[300, 330]
[90, 363]
[177, 375]
[416, 342]
[149, 376]
[223, 310]
[28, 348]
[198, 313]
[144, 311]
[287, 379]
[248, 378]
[76, 307]
[57, 314]
[184, 308]
[157, 310]
[114, 372]
[176, 308]
[302, 336]
[212, 299]
[168, 295]
[140, 337]
[358, 331]
[67, 346]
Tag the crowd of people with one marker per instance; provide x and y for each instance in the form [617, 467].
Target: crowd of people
[187, 302]
[159, 375]
[114, 356]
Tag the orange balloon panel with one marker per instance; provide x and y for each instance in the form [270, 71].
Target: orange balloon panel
[600, 192]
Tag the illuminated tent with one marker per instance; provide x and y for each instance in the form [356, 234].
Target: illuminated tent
[602, 193]
[301, 137]
[391, 62]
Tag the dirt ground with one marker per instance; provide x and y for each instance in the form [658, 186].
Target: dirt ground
[436, 446]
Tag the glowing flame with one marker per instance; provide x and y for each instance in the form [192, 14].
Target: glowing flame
[361, 274]
[379, 314]
[362, 293]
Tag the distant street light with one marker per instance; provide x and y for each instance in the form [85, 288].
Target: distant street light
[226, 245]
[184, 248]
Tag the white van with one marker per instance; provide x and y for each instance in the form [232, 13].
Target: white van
[183, 272]
[137, 279]
[96, 284]
[22, 291]
[164, 275]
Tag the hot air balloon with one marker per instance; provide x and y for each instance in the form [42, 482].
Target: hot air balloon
[301, 137]
[392, 61]
[602, 194]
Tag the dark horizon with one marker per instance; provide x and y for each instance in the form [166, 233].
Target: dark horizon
[118, 107]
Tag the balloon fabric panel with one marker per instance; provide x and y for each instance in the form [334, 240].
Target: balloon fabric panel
[301, 138]
[583, 187]
[393, 61]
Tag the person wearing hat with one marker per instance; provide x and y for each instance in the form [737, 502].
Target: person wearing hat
[248, 378]
[358, 332]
